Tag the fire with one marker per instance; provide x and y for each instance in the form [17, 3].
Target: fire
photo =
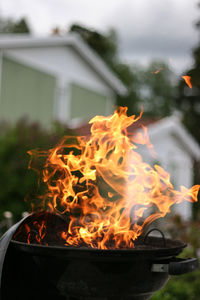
[102, 186]
[39, 233]
[158, 71]
[188, 80]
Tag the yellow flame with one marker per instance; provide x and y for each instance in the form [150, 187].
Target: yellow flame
[104, 188]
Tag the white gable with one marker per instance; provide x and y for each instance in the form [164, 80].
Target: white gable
[176, 151]
[172, 126]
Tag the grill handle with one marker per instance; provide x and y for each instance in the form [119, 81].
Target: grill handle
[176, 266]
[182, 266]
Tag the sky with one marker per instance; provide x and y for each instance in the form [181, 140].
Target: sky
[147, 29]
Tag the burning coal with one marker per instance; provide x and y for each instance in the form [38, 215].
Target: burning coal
[102, 186]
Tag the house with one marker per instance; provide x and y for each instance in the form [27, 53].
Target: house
[54, 78]
[176, 151]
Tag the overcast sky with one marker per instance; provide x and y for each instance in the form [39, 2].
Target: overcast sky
[162, 29]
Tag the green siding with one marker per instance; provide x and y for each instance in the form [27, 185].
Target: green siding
[85, 103]
[26, 92]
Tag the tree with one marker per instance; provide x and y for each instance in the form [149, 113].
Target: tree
[105, 45]
[9, 26]
[188, 101]
[17, 181]
[157, 89]
[151, 86]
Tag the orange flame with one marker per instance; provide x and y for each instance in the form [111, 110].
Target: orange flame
[103, 186]
[158, 71]
[188, 80]
[39, 234]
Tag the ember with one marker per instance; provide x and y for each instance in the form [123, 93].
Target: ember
[158, 71]
[103, 188]
[188, 81]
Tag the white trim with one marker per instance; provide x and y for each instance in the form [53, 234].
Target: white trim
[57, 111]
[36, 64]
[109, 104]
[87, 85]
[63, 100]
[99, 64]
[76, 122]
[90, 88]
[56, 102]
[9, 41]
[68, 100]
[174, 127]
[22, 41]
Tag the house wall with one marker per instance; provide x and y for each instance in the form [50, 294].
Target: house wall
[26, 92]
[174, 158]
[61, 61]
[87, 103]
[71, 70]
[172, 155]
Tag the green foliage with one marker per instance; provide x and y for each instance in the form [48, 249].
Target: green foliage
[184, 287]
[9, 26]
[131, 81]
[159, 90]
[17, 181]
[144, 87]
[104, 45]
[20, 27]
[188, 100]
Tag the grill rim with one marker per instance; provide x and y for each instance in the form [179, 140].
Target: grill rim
[176, 248]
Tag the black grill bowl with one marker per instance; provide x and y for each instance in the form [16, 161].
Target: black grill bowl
[33, 271]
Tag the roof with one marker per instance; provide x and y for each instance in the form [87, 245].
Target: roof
[12, 41]
[174, 126]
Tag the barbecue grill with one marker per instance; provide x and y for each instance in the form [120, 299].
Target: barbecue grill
[38, 271]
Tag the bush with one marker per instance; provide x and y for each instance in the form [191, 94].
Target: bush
[184, 287]
[17, 181]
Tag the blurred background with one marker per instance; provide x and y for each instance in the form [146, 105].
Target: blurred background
[63, 62]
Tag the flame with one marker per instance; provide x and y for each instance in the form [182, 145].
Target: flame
[103, 187]
[38, 231]
[188, 80]
[158, 71]
[28, 230]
